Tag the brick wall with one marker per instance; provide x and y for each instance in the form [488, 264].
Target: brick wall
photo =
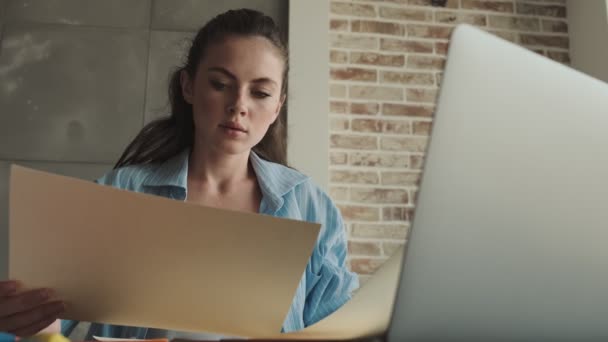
[386, 62]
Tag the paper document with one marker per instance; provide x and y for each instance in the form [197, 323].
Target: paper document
[134, 259]
[367, 314]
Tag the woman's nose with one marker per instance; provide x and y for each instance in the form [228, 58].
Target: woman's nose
[238, 104]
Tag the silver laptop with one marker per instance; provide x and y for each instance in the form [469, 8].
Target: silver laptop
[510, 236]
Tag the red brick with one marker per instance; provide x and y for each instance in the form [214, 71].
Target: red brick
[379, 196]
[515, 23]
[369, 26]
[550, 41]
[359, 213]
[377, 126]
[367, 125]
[372, 58]
[338, 158]
[353, 142]
[339, 124]
[353, 42]
[379, 159]
[407, 110]
[405, 14]
[354, 177]
[336, 56]
[376, 93]
[422, 127]
[407, 78]
[396, 127]
[428, 3]
[555, 26]
[454, 17]
[353, 74]
[441, 48]
[487, 5]
[399, 45]
[400, 178]
[421, 95]
[449, 3]
[426, 62]
[355, 10]
[429, 31]
[338, 25]
[338, 107]
[338, 193]
[364, 108]
[558, 11]
[380, 231]
[402, 214]
[404, 144]
[416, 162]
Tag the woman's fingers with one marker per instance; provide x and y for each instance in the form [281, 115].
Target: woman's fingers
[34, 328]
[23, 301]
[28, 312]
[33, 320]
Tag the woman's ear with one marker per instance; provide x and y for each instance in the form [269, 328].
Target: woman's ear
[186, 84]
[279, 106]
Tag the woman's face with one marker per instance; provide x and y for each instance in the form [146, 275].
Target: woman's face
[235, 94]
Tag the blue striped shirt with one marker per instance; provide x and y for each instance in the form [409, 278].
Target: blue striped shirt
[326, 283]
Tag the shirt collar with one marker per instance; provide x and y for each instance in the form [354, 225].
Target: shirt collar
[275, 180]
[173, 172]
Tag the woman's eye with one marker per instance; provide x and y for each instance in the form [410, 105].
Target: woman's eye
[217, 85]
[261, 94]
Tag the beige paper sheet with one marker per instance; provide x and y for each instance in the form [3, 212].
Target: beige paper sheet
[134, 259]
[367, 314]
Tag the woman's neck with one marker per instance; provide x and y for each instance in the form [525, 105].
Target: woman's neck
[218, 173]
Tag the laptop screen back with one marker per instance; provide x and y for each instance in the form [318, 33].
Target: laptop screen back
[510, 236]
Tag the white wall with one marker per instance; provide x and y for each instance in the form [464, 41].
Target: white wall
[588, 28]
[308, 121]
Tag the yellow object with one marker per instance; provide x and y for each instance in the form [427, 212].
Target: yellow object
[46, 337]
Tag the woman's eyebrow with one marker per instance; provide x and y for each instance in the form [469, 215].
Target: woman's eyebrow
[232, 76]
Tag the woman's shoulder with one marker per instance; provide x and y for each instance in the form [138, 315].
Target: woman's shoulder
[315, 201]
[309, 188]
[130, 177]
[293, 186]
[285, 180]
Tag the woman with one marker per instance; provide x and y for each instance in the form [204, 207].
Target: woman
[223, 146]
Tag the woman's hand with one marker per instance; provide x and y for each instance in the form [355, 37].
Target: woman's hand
[24, 313]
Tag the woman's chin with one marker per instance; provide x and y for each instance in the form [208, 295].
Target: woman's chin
[234, 148]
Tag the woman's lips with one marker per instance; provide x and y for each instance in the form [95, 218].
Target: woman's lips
[234, 126]
[233, 131]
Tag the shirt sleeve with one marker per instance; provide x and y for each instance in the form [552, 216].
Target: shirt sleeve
[67, 326]
[329, 283]
[111, 178]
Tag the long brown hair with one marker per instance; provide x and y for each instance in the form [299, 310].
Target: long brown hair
[161, 139]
